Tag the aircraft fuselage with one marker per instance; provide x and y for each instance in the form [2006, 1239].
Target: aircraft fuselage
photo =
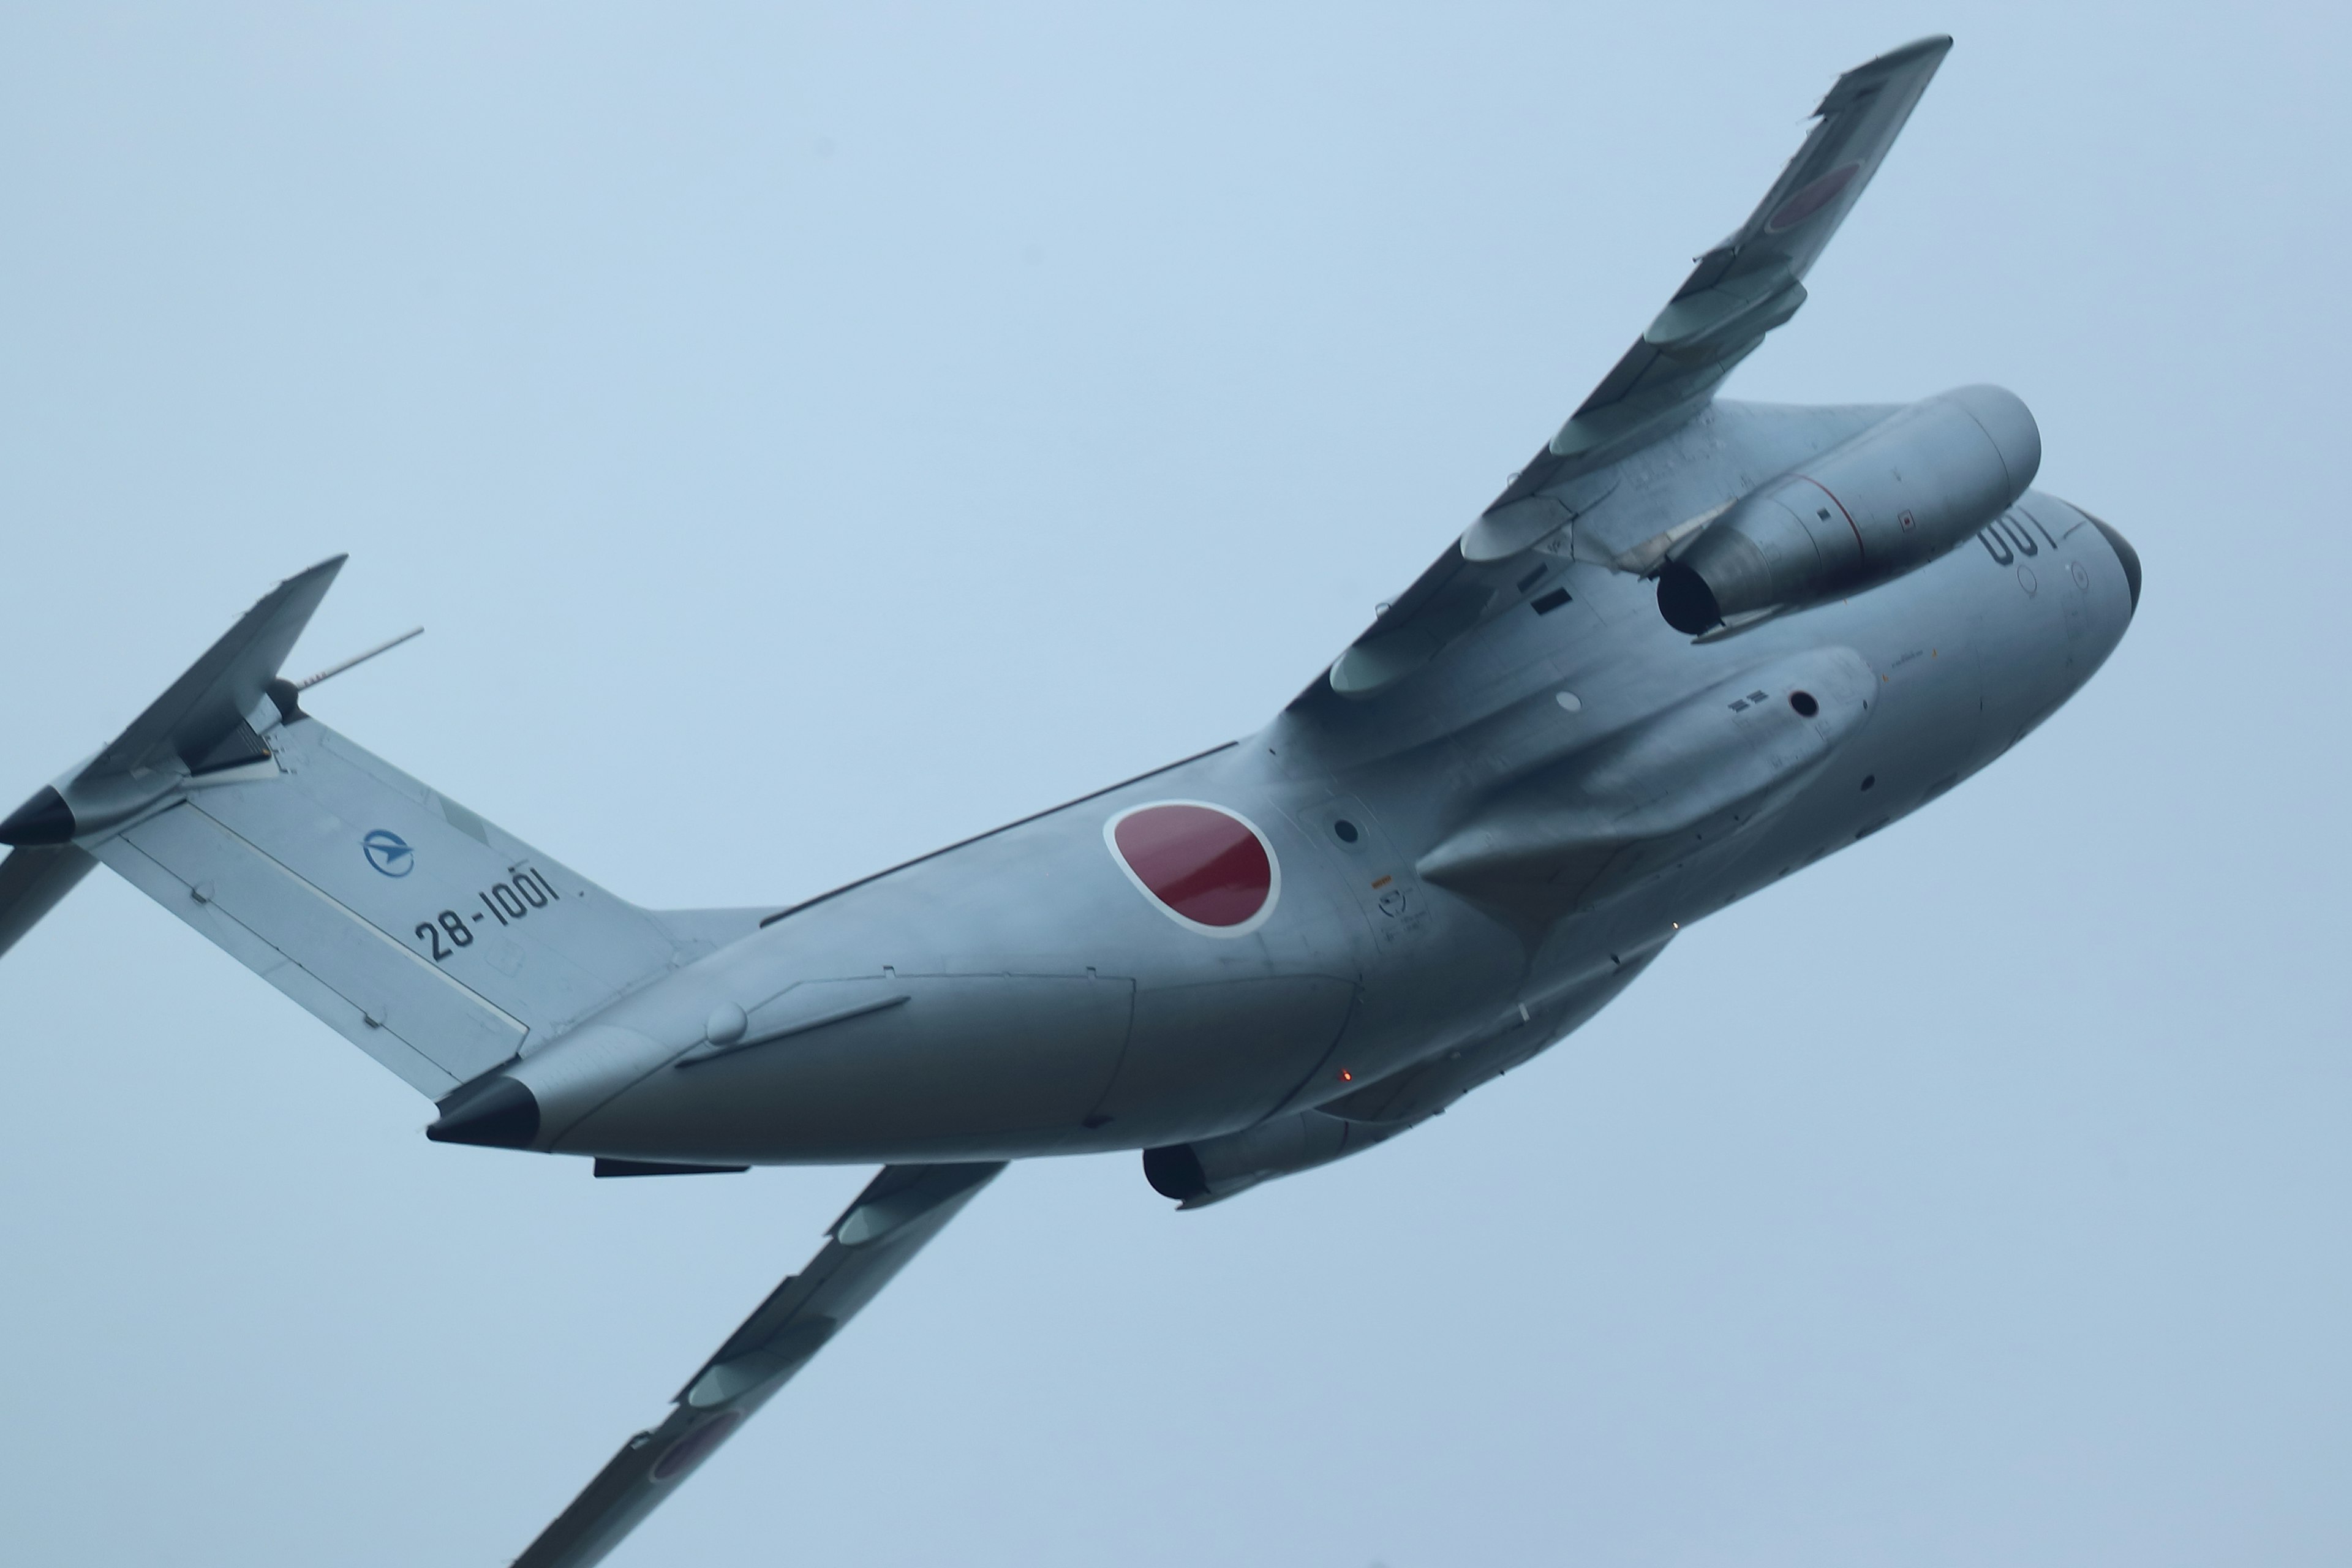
[1457, 875]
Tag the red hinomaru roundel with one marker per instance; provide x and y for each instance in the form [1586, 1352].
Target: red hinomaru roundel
[1205, 867]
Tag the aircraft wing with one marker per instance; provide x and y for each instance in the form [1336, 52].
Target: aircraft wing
[1739, 291]
[899, 1211]
[1748, 284]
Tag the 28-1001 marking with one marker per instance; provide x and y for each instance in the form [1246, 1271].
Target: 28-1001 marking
[507, 901]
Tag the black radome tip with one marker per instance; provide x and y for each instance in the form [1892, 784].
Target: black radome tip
[2125, 556]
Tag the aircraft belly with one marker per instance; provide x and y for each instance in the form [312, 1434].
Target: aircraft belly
[1217, 1055]
[962, 1066]
[1425, 1089]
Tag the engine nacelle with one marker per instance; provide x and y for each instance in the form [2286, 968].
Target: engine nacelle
[1866, 511]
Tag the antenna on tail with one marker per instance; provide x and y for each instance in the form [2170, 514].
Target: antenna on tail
[357, 660]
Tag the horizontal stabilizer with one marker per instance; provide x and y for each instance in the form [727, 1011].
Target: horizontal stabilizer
[387, 999]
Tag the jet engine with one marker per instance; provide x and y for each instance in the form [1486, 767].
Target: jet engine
[1199, 1174]
[1866, 511]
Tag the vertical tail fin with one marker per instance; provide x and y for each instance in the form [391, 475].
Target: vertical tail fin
[434, 941]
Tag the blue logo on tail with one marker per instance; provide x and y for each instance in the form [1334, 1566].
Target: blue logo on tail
[389, 853]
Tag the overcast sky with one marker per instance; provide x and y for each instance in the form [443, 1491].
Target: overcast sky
[811, 434]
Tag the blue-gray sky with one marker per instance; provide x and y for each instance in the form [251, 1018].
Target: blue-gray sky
[815, 434]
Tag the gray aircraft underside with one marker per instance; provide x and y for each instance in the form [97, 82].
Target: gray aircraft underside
[1695, 647]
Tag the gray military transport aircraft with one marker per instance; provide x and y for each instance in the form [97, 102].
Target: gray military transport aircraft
[1693, 646]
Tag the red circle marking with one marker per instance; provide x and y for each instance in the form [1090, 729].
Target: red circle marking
[1812, 198]
[695, 1446]
[1202, 863]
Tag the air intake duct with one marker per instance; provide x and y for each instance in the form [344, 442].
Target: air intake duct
[1863, 512]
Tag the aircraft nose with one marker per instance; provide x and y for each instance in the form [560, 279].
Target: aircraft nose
[2125, 556]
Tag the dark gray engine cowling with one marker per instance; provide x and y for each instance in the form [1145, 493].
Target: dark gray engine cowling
[1195, 1175]
[1868, 510]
